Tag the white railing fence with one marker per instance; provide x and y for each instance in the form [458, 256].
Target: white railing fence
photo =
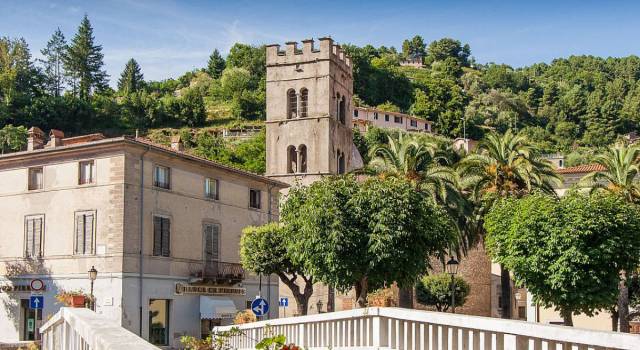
[83, 329]
[403, 329]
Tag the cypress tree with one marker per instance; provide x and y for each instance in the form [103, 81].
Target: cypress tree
[131, 79]
[52, 62]
[216, 64]
[83, 62]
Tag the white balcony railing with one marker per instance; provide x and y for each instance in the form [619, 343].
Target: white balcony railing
[83, 329]
[403, 329]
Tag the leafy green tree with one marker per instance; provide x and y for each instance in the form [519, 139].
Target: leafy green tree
[131, 78]
[619, 177]
[439, 50]
[388, 107]
[567, 252]
[13, 138]
[414, 47]
[263, 250]
[435, 290]
[53, 66]
[251, 154]
[216, 64]
[83, 62]
[19, 80]
[364, 235]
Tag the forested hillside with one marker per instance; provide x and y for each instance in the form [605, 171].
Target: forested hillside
[580, 101]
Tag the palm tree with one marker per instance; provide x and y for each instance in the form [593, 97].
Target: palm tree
[621, 166]
[504, 166]
[426, 165]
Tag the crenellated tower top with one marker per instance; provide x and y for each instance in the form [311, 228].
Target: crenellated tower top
[327, 50]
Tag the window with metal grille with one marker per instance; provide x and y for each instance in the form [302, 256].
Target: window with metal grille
[161, 236]
[34, 235]
[162, 177]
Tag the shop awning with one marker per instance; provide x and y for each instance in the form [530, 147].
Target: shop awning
[212, 308]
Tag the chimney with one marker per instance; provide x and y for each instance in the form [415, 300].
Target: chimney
[55, 138]
[36, 139]
[176, 143]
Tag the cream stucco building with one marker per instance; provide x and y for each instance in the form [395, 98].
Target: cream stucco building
[364, 118]
[161, 227]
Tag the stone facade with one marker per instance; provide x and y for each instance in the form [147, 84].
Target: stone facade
[309, 93]
[124, 199]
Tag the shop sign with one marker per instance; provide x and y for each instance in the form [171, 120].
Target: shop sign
[182, 289]
[18, 288]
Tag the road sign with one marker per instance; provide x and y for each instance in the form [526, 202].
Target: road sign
[260, 307]
[37, 285]
[284, 302]
[36, 302]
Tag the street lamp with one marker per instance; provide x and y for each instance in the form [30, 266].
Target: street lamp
[93, 274]
[319, 305]
[452, 269]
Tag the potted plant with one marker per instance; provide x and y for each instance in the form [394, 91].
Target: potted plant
[74, 298]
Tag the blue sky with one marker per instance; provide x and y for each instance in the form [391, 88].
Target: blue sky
[168, 38]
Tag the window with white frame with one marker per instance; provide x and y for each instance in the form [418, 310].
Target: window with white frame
[162, 177]
[34, 236]
[36, 178]
[211, 188]
[85, 233]
[86, 172]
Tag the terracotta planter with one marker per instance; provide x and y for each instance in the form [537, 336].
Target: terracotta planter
[77, 301]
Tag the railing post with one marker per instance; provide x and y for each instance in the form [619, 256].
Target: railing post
[301, 336]
[377, 332]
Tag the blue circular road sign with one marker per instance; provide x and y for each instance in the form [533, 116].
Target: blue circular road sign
[260, 307]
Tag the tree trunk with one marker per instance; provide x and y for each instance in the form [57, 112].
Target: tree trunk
[302, 298]
[362, 289]
[567, 317]
[505, 288]
[331, 299]
[405, 297]
[623, 303]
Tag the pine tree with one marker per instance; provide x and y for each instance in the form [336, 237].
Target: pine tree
[216, 64]
[131, 79]
[83, 62]
[52, 62]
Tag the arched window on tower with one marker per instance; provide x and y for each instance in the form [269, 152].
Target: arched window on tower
[304, 101]
[343, 112]
[302, 158]
[292, 104]
[341, 162]
[337, 106]
[292, 160]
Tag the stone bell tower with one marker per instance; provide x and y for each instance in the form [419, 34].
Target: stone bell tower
[309, 92]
